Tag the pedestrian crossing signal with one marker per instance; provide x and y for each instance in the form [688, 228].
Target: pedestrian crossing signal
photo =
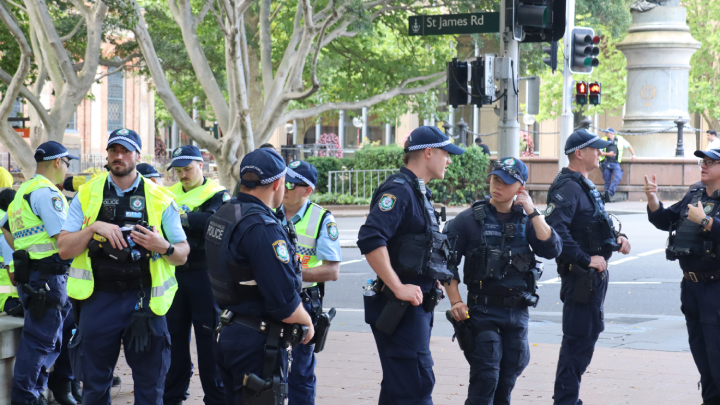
[581, 93]
[594, 98]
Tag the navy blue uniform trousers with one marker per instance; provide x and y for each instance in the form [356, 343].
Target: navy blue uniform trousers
[302, 383]
[62, 371]
[40, 341]
[95, 347]
[405, 356]
[193, 306]
[612, 170]
[500, 356]
[582, 324]
[240, 350]
[701, 307]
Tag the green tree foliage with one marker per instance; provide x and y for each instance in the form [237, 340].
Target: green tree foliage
[703, 17]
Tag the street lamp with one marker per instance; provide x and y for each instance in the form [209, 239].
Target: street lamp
[357, 123]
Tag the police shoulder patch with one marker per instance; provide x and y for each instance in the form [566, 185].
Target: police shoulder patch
[332, 230]
[281, 251]
[387, 202]
[175, 206]
[58, 204]
[708, 207]
[550, 209]
[226, 196]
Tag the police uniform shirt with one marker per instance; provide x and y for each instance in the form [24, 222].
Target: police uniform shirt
[467, 230]
[570, 203]
[327, 247]
[663, 218]
[49, 206]
[252, 241]
[6, 250]
[171, 225]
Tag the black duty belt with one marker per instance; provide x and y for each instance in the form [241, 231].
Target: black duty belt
[192, 266]
[49, 268]
[705, 276]
[496, 301]
[121, 286]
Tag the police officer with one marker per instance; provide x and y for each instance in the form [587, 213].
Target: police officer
[35, 218]
[403, 244]
[576, 211]
[694, 236]
[256, 282]
[125, 287]
[150, 172]
[320, 256]
[499, 237]
[194, 305]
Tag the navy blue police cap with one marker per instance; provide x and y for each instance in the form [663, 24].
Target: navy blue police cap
[303, 172]
[431, 137]
[185, 155]
[609, 131]
[583, 139]
[51, 150]
[266, 163]
[712, 154]
[511, 170]
[127, 138]
[147, 170]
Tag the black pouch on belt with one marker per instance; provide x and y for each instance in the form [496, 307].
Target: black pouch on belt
[257, 391]
[392, 313]
[583, 284]
[37, 301]
[321, 329]
[463, 333]
[22, 266]
[432, 298]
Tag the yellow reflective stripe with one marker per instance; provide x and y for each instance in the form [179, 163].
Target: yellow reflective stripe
[6, 289]
[41, 248]
[80, 274]
[168, 284]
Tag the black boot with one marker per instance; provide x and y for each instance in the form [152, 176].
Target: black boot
[76, 390]
[116, 381]
[61, 391]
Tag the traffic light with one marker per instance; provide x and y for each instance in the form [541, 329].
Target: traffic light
[584, 50]
[537, 20]
[594, 98]
[581, 93]
[457, 79]
[552, 51]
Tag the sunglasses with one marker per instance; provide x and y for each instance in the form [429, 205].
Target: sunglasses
[291, 186]
[67, 162]
[511, 170]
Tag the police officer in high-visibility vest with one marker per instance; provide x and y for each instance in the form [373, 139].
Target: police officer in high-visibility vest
[694, 240]
[402, 242]
[150, 172]
[576, 211]
[35, 218]
[500, 235]
[125, 236]
[256, 281]
[194, 305]
[320, 255]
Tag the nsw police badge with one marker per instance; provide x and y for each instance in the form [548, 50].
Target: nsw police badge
[332, 230]
[708, 207]
[387, 202]
[281, 251]
[226, 197]
[137, 203]
[177, 152]
[58, 204]
[294, 164]
[549, 210]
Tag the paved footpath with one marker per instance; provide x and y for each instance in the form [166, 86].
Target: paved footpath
[349, 373]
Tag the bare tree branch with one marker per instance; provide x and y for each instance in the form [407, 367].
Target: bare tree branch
[398, 91]
[201, 16]
[85, 10]
[74, 31]
[266, 45]
[17, 5]
[110, 63]
[29, 96]
[56, 44]
[218, 19]
[116, 71]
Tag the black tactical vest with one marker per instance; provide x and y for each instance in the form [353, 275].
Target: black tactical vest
[233, 281]
[688, 238]
[504, 258]
[597, 236]
[126, 211]
[424, 254]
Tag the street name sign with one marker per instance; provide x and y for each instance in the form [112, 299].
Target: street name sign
[474, 23]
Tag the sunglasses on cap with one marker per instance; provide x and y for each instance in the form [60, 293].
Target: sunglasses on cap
[511, 170]
[291, 186]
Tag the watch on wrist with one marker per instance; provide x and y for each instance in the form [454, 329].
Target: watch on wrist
[705, 221]
[170, 251]
[533, 214]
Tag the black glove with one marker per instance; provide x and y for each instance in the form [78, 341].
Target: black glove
[140, 330]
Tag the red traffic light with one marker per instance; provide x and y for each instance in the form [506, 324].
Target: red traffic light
[581, 88]
[596, 40]
[594, 88]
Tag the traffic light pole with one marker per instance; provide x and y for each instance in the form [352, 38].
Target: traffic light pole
[566, 119]
[508, 125]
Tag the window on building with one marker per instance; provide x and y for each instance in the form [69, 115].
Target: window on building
[17, 110]
[72, 124]
[116, 102]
